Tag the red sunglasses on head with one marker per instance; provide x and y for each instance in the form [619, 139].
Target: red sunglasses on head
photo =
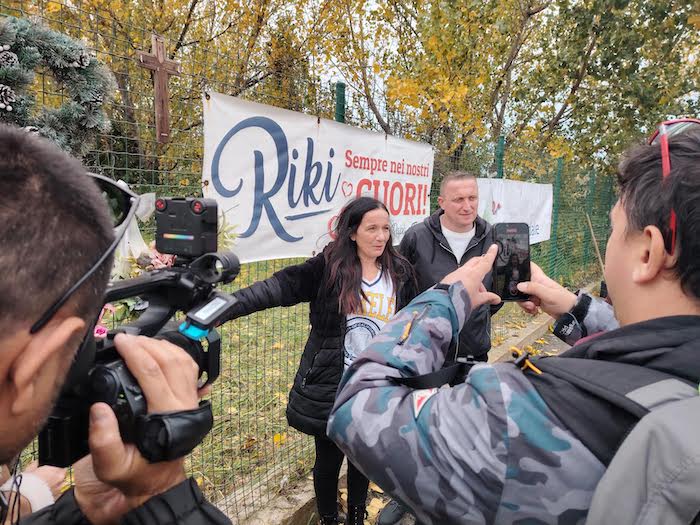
[660, 136]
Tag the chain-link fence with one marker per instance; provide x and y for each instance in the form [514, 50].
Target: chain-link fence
[252, 454]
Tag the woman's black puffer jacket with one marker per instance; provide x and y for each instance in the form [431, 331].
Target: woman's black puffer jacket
[321, 366]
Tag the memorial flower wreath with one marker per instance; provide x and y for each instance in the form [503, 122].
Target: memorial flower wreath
[27, 45]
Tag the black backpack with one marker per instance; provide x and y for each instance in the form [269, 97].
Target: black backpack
[653, 470]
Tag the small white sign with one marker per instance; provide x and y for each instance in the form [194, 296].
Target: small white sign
[514, 201]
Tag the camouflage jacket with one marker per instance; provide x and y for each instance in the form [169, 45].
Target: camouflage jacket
[486, 451]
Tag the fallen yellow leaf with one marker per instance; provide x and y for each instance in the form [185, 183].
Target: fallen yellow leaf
[374, 507]
[375, 488]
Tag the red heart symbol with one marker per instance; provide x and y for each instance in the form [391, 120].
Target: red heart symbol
[347, 188]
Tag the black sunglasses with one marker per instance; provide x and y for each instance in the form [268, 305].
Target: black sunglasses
[122, 203]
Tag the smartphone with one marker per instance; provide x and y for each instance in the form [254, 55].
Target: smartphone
[512, 264]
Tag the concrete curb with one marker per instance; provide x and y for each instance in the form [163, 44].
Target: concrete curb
[538, 327]
[297, 506]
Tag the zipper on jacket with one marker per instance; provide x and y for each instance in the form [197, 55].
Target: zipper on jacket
[311, 367]
[478, 241]
[417, 316]
[449, 251]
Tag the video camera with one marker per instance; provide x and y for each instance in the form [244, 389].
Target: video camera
[187, 228]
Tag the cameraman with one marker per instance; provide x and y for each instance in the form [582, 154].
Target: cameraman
[512, 445]
[54, 225]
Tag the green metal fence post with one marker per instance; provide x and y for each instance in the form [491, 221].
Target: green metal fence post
[590, 199]
[500, 151]
[555, 220]
[340, 102]
[607, 204]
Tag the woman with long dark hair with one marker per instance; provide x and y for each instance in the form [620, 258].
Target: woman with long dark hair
[354, 286]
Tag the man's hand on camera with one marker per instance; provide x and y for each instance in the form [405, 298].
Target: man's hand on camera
[545, 293]
[115, 478]
[472, 274]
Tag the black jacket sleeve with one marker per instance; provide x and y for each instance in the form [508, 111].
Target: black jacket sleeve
[292, 285]
[184, 504]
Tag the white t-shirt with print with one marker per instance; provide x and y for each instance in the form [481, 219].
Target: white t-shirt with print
[379, 307]
[458, 241]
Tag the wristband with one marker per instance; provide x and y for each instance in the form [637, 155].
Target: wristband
[33, 489]
[580, 309]
[442, 286]
[569, 327]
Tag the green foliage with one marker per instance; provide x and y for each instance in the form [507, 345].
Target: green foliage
[76, 124]
[566, 78]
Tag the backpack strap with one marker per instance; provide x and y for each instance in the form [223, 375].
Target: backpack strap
[633, 388]
[452, 374]
[600, 402]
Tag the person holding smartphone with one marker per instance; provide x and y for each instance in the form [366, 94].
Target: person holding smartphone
[443, 242]
[517, 444]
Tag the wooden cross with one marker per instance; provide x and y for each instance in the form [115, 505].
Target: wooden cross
[162, 68]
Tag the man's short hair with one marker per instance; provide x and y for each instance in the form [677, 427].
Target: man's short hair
[647, 199]
[54, 225]
[455, 175]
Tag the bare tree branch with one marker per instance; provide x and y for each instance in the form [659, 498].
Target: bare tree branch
[363, 70]
[401, 10]
[210, 39]
[532, 11]
[502, 89]
[526, 120]
[260, 21]
[580, 75]
[185, 28]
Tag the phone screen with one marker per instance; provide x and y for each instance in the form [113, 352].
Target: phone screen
[512, 264]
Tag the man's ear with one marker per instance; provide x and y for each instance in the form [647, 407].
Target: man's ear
[45, 351]
[441, 200]
[651, 255]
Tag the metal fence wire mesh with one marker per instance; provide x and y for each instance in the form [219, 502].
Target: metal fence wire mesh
[251, 454]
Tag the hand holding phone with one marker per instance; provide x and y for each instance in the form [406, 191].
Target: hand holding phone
[512, 265]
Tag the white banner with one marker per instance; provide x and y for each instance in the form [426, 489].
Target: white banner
[514, 201]
[282, 177]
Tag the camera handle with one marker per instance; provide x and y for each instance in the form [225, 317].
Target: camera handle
[152, 281]
[171, 435]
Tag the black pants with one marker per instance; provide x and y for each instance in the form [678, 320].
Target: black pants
[326, 471]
